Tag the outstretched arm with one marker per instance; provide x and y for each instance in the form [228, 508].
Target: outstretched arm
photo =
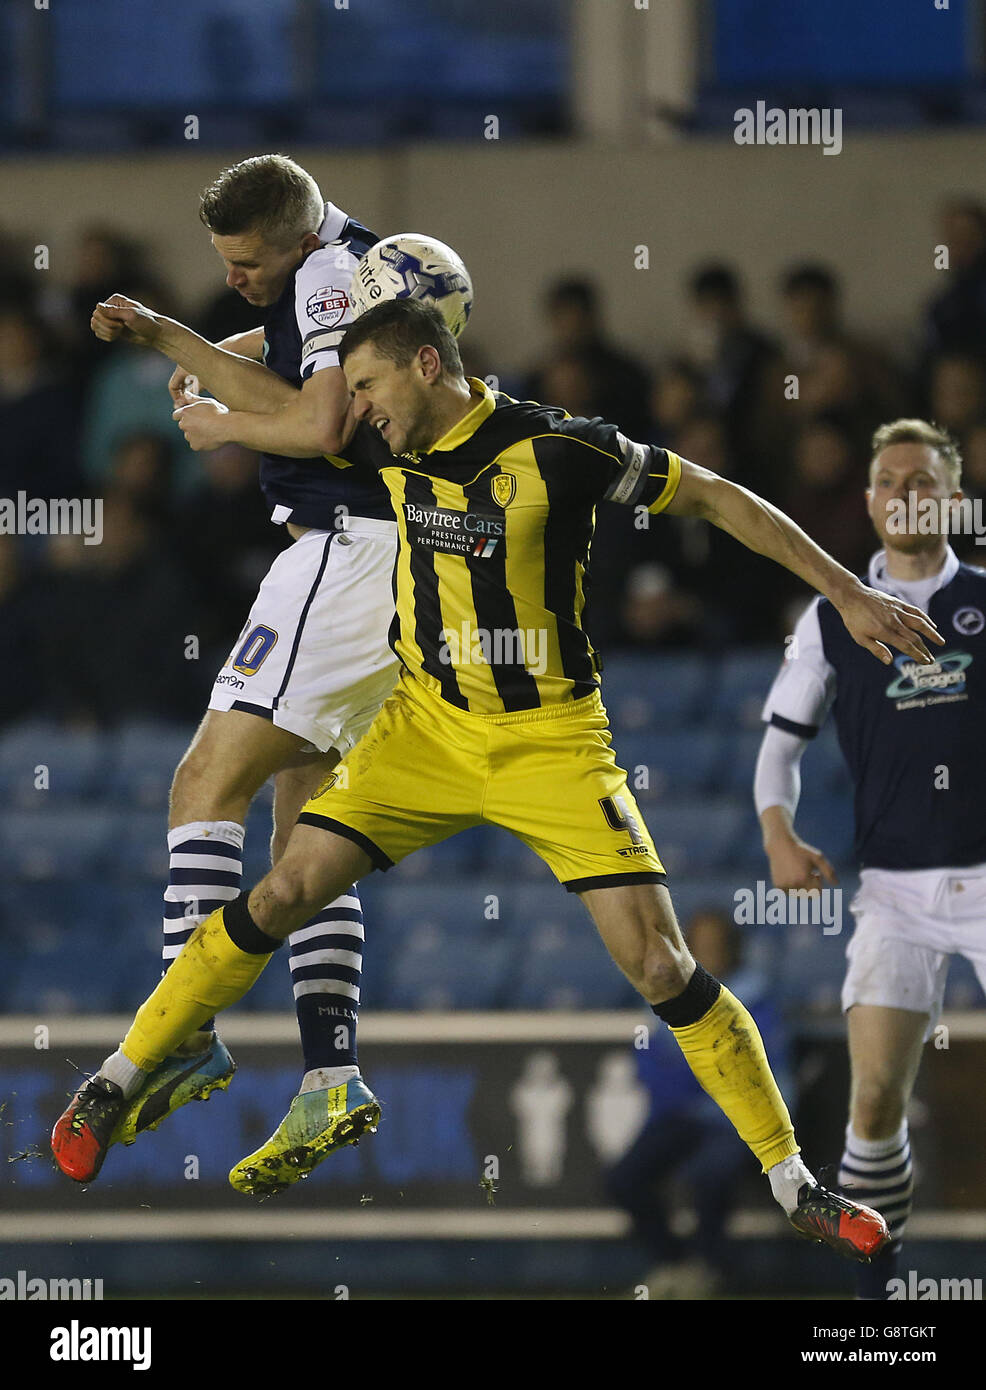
[249, 345]
[239, 383]
[875, 620]
[263, 411]
[318, 419]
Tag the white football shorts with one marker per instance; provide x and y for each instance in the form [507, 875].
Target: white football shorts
[908, 923]
[313, 654]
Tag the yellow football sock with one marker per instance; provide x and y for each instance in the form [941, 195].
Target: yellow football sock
[725, 1051]
[208, 975]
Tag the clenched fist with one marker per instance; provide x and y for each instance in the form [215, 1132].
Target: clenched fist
[203, 422]
[120, 317]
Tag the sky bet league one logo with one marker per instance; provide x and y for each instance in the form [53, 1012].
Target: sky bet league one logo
[327, 306]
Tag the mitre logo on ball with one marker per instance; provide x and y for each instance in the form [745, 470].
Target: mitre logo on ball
[327, 306]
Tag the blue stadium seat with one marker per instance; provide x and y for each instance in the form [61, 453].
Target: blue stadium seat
[696, 835]
[741, 749]
[59, 843]
[144, 847]
[139, 908]
[88, 931]
[458, 854]
[457, 908]
[665, 766]
[428, 970]
[691, 893]
[811, 969]
[44, 916]
[272, 993]
[77, 978]
[146, 755]
[745, 677]
[507, 858]
[75, 765]
[36, 988]
[649, 693]
[568, 967]
[528, 908]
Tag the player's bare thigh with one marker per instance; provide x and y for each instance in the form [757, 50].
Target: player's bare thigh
[227, 762]
[885, 1049]
[294, 785]
[641, 933]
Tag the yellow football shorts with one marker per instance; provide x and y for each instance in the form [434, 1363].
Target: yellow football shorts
[426, 770]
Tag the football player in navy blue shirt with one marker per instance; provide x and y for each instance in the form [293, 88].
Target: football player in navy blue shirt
[914, 740]
[311, 665]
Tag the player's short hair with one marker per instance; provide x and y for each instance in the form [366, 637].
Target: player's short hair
[920, 432]
[398, 329]
[269, 194]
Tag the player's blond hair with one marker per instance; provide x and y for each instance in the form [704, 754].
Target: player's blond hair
[269, 194]
[920, 432]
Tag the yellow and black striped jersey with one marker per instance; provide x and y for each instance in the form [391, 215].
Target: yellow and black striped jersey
[495, 523]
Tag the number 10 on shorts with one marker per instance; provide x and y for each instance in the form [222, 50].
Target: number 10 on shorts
[254, 650]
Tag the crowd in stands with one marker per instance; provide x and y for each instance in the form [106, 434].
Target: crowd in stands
[100, 632]
[788, 413]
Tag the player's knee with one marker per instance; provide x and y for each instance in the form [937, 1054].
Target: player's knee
[291, 895]
[878, 1107]
[663, 973]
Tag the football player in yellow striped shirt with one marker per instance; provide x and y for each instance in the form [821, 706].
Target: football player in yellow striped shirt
[497, 719]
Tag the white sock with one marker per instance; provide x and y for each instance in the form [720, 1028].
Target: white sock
[876, 1148]
[787, 1178]
[125, 1073]
[323, 1077]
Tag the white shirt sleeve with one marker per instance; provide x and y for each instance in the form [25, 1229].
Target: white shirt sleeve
[777, 780]
[797, 704]
[322, 305]
[803, 690]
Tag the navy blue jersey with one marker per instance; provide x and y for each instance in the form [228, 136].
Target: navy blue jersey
[913, 736]
[302, 333]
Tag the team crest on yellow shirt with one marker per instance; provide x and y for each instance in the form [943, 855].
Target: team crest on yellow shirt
[504, 488]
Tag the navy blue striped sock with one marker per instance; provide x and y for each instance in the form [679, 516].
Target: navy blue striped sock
[878, 1173]
[326, 964]
[205, 873]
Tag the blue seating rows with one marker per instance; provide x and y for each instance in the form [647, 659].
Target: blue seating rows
[474, 922]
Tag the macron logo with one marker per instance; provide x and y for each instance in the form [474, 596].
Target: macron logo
[75, 1343]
